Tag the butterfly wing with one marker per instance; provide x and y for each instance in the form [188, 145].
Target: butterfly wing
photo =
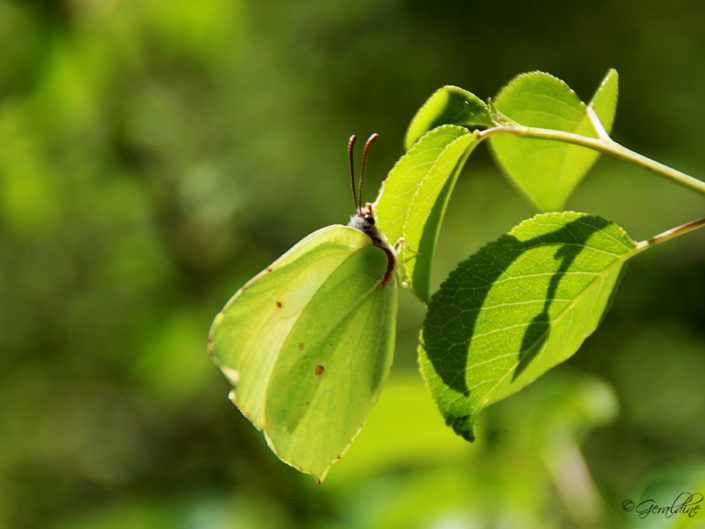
[307, 344]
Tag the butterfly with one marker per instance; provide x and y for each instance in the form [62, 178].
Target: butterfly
[308, 342]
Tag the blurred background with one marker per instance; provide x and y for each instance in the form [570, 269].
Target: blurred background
[154, 155]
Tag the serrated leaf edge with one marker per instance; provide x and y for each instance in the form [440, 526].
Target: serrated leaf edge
[567, 148]
[417, 116]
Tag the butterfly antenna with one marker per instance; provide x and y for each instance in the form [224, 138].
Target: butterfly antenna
[369, 141]
[351, 144]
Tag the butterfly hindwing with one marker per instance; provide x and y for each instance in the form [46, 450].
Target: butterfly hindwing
[341, 361]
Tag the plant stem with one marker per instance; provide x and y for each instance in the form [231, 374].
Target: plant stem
[605, 145]
[670, 234]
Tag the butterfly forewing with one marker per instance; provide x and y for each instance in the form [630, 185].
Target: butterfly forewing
[307, 344]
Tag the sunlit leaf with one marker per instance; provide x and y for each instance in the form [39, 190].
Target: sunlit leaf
[548, 171]
[516, 308]
[413, 199]
[448, 105]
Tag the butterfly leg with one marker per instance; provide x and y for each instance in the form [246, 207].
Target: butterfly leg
[401, 243]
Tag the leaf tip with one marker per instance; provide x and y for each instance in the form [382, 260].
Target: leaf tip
[462, 426]
[612, 72]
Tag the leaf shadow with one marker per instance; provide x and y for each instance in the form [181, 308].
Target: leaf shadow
[450, 322]
[537, 332]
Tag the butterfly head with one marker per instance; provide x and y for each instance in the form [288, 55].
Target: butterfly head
[364, 220]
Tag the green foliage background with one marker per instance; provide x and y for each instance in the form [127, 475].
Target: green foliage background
[155, 155]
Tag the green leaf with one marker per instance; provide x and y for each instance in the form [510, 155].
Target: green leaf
[308, 343]
[518, 307]
[548, 171]
[414, 196]
[448, 105]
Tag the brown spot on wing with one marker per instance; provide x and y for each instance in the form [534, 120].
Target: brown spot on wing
[319, 370]
[279, 304]
[301, 347]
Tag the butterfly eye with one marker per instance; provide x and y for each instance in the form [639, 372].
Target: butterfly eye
[369, 219]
